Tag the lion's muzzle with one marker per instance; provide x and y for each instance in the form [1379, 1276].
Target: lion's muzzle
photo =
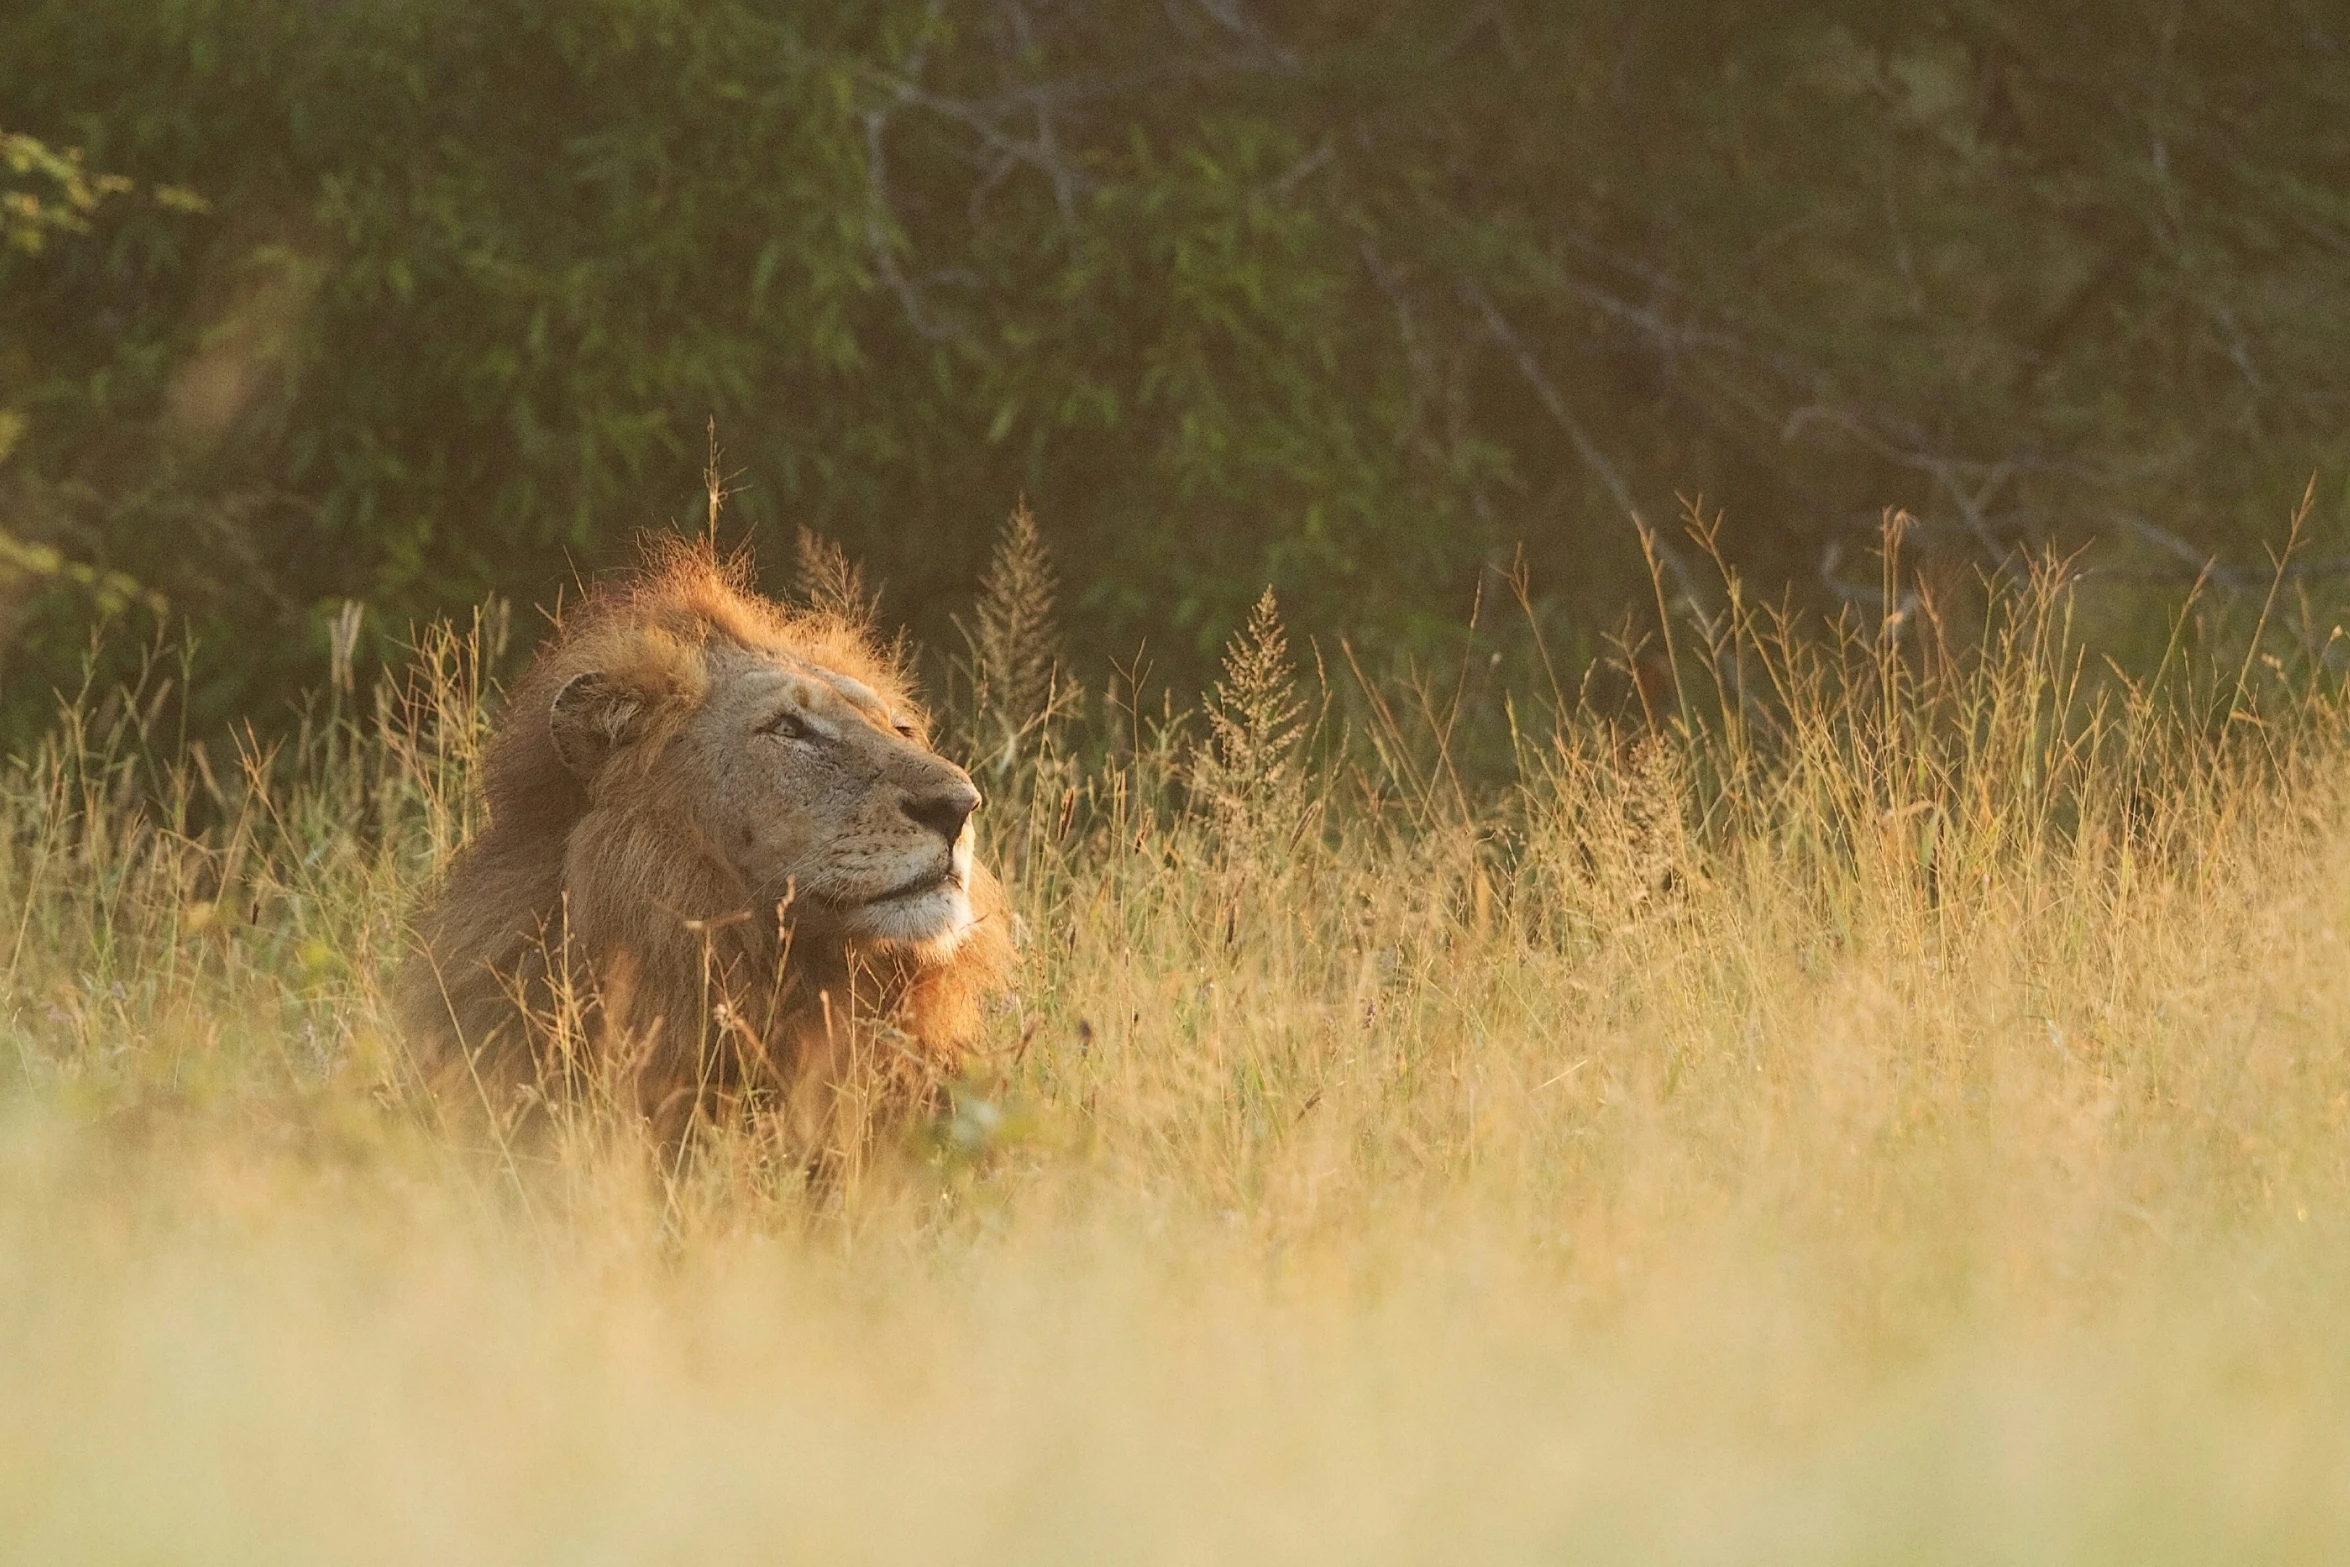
[945, 807]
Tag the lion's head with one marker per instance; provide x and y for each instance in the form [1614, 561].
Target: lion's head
[716, 829]
[813, 787]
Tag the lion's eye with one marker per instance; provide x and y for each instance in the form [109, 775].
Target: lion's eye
[790, 726]
[904, 726]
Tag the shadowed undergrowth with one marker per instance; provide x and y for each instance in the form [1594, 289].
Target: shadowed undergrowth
[1890, 1106]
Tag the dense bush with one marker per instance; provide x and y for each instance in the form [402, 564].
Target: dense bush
[1351, 299]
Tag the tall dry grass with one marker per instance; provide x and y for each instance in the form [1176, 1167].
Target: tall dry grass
[1889, 1107]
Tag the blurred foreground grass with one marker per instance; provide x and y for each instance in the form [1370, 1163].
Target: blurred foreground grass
[1892, 1108]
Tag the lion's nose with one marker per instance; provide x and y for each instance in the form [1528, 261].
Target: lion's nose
[944, 810]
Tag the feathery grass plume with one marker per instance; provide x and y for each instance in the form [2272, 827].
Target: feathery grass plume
[1247, 771]
[1015, 644]
[432, 721]
[1013, 664]
[1656, 850]
[714, 485]
[830, 583]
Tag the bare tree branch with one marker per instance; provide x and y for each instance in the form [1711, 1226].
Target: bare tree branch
[1530, 369]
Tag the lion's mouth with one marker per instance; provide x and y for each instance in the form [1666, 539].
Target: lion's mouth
[928, 881]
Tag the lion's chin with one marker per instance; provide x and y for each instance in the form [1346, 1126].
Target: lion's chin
[932, 922]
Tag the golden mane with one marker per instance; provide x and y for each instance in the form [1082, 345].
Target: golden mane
[600, 944]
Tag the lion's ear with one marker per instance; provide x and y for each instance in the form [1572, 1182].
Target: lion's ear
[593, 716]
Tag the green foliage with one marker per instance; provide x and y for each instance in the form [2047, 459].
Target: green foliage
[49, 193]
[1350, 300]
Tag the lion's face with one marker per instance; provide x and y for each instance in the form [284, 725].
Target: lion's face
[821, 795]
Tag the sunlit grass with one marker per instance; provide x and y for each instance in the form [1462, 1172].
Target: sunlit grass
[1892, 1107]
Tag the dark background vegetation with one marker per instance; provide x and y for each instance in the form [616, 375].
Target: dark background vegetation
[414, 301]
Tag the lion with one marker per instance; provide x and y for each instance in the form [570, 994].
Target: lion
[723, 873]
